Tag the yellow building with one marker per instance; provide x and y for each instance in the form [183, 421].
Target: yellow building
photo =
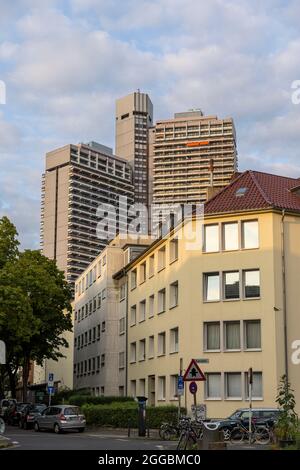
[229, 296]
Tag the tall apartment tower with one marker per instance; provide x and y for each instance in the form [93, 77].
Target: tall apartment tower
[191, 154]
[78, 179]
[134, 116]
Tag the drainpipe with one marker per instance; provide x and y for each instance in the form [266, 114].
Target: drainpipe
[286, 363]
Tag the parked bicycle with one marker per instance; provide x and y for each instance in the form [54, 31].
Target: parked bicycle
[259, 434]
[190, 434]
[168, 431]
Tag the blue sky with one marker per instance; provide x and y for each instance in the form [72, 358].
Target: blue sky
[65, 62]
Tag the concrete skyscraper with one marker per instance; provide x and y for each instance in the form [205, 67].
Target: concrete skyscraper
[134, 116]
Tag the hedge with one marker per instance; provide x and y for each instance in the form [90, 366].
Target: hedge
[80, 400]
[123, 415]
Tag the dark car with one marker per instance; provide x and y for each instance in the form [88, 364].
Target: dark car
[28, 415]
[263, 416]
[13, 413]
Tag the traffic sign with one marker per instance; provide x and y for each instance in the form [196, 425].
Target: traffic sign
[51, 390]
[193, 387]
[50, 379]
[202, 360]
[180, 386]
[193, 372]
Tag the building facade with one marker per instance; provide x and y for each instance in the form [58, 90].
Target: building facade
[191, 153]
[134, 116]
[78, 179]
[100, 362]
[230, 298]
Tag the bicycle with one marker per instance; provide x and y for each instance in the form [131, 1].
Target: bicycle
[192, 432]
[259, 434]
[2, 426]
[167, 430]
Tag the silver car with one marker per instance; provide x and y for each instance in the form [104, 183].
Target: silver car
[60, 418]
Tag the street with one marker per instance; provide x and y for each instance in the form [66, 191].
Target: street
[47, 440]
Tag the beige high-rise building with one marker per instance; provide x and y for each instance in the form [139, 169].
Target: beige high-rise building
[191, 153]
[78, 179]
[134, 116]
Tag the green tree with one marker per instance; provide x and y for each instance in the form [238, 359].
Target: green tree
[46, 313]
[287, 424]
[8, 241]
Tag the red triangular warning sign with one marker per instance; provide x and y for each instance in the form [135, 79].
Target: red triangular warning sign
[193, 372]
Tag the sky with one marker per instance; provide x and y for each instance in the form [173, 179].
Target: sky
[64, 63]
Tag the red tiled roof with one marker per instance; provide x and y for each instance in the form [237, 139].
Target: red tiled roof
[263, 191]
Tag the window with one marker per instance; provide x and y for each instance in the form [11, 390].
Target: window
[174, 294]
[94, 334]
[233, 385]
[161, 388]
[212, 287]
[94, 303]
[161, 344]
[121, 391]
[75, 342]
[257, 386]
[85, 338]
[133, 279]
[251, 284]
[142, 387]
[231, 236]
[174, 340]
[122, 326]
[98, 331]
[104, 294]
[250, 234]
[161, 307]
[133, 315]
[231, 285]
[161, 258]
[211, 239]
[121, 360]
[232, 335]
[122, 292]
[103, 327]
[133, 388]
[142, 350]
[173, 250]
[133, 352]
[151, 306]
[151, 266]
[252, 334]
[173, 386]
[212, 336]
[98, 363]
[151, 347]
[94, 365]
[90, 307]
[213, 386]
[90, 366]
[99, 300]
[102, 360]
[86, 310]
[102, 389]
[142, 272]
[99, 269]
[142, 312]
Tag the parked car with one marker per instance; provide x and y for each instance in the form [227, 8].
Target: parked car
[13, 413]
[60, 418]
[5, 404]
[264, 416]
[28, 415]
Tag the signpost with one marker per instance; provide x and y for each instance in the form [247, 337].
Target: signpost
[194, 374]
[50, 386]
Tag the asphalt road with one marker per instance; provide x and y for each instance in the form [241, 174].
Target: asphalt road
[89, 440]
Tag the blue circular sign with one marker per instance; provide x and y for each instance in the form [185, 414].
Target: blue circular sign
[193, 388]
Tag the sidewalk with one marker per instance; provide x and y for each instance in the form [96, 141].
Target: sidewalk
[152, 434]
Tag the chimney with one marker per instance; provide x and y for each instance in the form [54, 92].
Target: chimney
[211, 190]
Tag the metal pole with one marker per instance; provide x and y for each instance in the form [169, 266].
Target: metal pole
[250, 378]
[49, 398]
[179, 396]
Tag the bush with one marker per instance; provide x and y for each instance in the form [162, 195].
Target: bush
[80, 400]
[123, 415]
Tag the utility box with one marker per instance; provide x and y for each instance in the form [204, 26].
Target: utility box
[142, 415]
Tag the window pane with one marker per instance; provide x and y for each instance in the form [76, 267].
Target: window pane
[250, 234]
[257, 386]
[232, 335]
[213, 336]
[212, 288]
[252, 283]
[253, 335]
[211, 238]
[234, 389]
[213, 385]
[232, 285]
[231, 236]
